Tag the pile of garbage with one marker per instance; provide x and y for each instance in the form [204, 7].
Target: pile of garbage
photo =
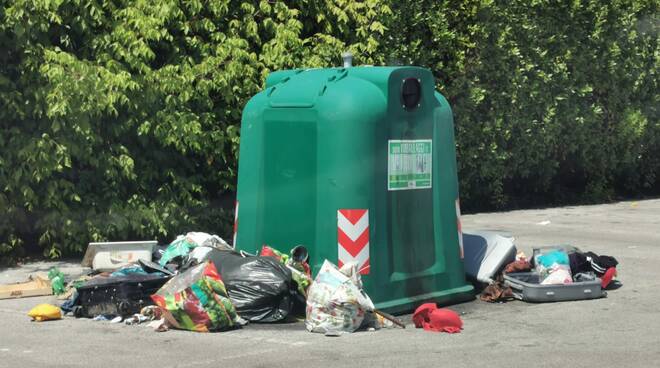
[200, 283]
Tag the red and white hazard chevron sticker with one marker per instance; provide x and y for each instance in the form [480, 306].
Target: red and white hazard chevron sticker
[353, 238]
[235, 224]
[459, 226]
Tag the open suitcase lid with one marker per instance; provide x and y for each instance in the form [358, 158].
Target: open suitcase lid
[486, 252]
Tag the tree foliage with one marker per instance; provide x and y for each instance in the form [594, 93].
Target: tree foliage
[554, 101]
[120, 119]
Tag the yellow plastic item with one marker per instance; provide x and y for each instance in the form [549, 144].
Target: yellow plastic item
[45, 312]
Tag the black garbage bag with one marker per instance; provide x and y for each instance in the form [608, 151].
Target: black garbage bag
[261, 288]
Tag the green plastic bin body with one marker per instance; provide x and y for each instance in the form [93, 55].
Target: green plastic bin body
[333, 160]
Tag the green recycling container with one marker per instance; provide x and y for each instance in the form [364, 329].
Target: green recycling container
[359, 165]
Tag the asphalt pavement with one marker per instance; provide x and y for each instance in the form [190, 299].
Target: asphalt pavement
[621, 330]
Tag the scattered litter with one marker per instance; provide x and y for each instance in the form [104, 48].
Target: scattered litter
[117, 319]
[71, 287]
[159, 325]
[37, 285]
[152, 312]
[56, 278]
[336, 302]
[544, 223]
[431, 318]
[136, 319]
[45, 312]
[103, 317]
[497, 291]
[387, 320]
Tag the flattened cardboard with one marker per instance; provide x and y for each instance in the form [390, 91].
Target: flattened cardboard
[38, 285]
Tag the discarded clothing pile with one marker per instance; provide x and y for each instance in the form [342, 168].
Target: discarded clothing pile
[556, 273]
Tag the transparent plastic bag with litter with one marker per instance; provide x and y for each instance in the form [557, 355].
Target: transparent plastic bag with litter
[553, 266]
[336, 302]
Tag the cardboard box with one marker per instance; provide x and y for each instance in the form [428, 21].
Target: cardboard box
[38, 285]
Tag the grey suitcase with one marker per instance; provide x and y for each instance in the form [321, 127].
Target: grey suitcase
[526, 287]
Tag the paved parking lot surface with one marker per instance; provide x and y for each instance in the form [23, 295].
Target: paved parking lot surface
[622, 330]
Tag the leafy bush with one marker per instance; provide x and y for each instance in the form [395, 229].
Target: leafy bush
[120, 119]
[553, 101]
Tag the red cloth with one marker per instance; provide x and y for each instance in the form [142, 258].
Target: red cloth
[267, 251]
[518, 266]
[422, 312]
[607, 277]
[432, 318]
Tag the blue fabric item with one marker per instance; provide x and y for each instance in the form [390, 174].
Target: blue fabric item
[131, 270]
[127, 271]
[548, 259]
[68, 305]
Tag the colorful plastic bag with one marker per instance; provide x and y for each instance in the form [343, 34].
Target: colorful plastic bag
[197, 300]
[297, 263]
[335, 301]
[56, 278]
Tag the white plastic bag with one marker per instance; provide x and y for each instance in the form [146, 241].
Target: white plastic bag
[335, 301]
[207, 240]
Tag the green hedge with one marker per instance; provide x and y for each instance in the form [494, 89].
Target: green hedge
[554, 101]
[120, 119]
